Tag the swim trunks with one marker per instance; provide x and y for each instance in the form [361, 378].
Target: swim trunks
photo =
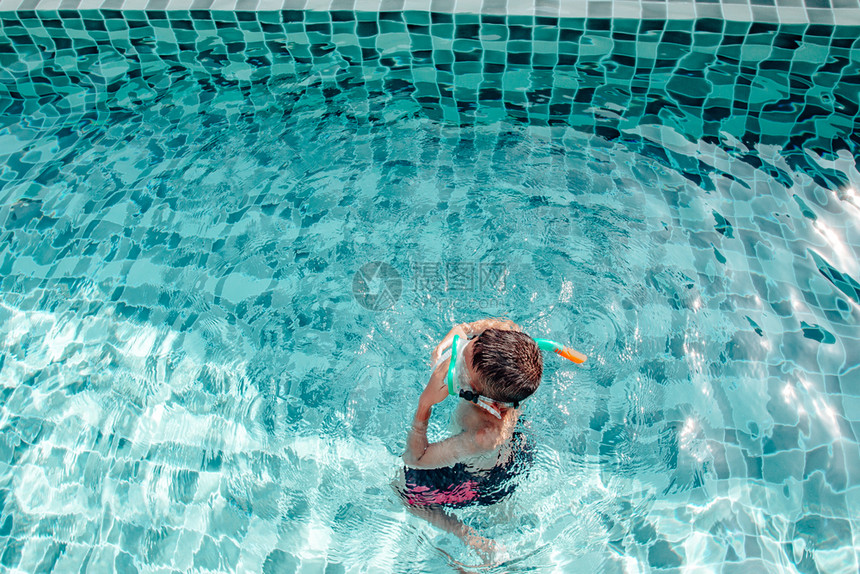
[458, 486]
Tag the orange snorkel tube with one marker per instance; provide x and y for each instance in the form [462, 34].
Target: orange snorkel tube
[561, 350]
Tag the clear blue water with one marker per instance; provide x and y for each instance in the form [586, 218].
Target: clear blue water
[190, 380]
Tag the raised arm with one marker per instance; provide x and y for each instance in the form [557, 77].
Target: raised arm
[421, 453]
[435, 392]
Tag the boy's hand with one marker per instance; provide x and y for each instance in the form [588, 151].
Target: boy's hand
[436, 390]
[446, 342]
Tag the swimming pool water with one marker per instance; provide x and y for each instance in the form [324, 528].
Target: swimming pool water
[230, 242]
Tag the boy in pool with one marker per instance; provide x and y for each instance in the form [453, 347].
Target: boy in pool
[498, 366]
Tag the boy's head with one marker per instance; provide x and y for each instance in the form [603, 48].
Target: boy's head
[509, 364]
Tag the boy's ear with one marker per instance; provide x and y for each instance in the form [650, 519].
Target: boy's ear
[476, 383]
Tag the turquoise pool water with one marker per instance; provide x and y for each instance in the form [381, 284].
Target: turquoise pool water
[230, 242]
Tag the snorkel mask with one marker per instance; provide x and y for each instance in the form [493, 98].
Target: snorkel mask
[459, 378]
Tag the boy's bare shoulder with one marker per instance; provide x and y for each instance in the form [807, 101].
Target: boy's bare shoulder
[489, 438]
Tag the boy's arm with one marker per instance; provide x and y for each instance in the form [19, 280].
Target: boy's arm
[447, 452]
[420, 453]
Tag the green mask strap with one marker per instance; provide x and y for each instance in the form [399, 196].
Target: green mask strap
[452, 366]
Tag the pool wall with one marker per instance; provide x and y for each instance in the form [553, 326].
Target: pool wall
[791, 85]
[844, 12]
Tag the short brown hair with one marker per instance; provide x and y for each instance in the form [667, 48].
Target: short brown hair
[509, 363]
